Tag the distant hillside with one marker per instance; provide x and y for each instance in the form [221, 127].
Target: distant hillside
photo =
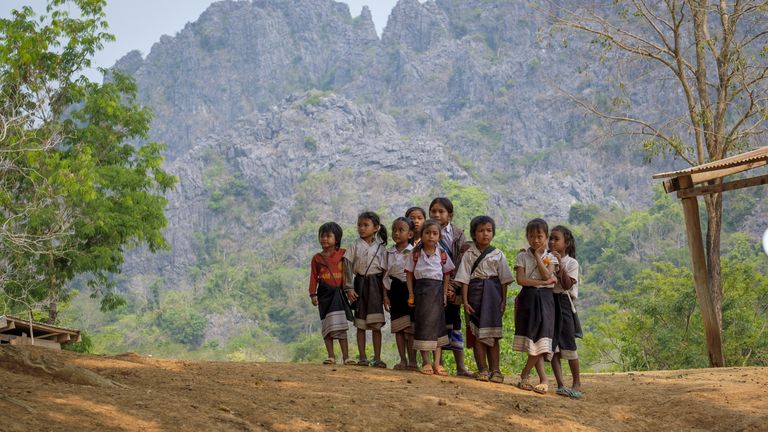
[282, 114]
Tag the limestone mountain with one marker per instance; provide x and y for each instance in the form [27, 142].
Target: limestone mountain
[283, 114]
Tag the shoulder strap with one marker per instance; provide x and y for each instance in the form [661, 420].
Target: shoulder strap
[446, 247]
[375, 254]
[479, 259]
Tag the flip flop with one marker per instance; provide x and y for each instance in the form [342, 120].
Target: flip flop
[412, 367]
[482, 376]
[525, 384]
[329, 361]
[496, 377]
[563, 391]
[427, 369]
[541, 388]
[465, 374]
[440, 371]
[379, 364]
[362, 362]
[399, 366]
[350, 362]
[575, 394]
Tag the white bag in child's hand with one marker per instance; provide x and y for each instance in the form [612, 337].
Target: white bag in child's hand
[765, 242]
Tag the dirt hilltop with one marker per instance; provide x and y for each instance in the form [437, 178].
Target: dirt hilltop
[46, 390]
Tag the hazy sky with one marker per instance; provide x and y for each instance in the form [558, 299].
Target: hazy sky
[134, 28]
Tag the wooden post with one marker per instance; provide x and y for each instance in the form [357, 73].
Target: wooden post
[701, 280]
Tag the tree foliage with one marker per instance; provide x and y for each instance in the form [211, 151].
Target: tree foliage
[707, 60]
[75, 192]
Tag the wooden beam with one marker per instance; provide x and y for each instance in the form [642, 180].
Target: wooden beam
[722, 187]
[701, 277]
[46, 336]
[9, 325]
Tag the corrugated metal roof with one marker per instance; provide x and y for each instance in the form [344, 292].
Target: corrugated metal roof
[37, 325]
[759, 156]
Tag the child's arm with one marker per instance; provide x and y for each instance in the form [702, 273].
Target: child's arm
[385, 298]
[524, 281]
[545, 270]
[467, 308]
[409, 282]
[504, 298]
[313, 282]
[349, 280]
[446, 286]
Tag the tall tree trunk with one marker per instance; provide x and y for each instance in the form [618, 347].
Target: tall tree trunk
[53, 312]
[714, 206]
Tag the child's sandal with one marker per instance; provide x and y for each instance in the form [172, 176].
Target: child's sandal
[427, 369]
[379, 364]
[350, 362]
[482, 376]
[440, 371]
[525, 384]
[329, 361]
[496, 377]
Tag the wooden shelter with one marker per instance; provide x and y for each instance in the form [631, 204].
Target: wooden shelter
[701, 180]
[16, 331]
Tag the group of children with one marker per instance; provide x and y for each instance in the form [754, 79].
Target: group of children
[429, 274]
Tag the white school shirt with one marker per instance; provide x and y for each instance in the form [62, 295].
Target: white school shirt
[527, 262]
[394, 264]
[571, 269]
[360, 254]
[447, 233]
[493, 265]
[429, 266]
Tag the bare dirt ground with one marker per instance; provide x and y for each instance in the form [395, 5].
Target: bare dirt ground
[42, 390]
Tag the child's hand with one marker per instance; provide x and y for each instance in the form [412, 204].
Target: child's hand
[411, 301]
[386, 303]
[468, 309]
[445, 299]
[314, 300]
[556, 255]
[351, 295]
[552, 280]
[503, 306]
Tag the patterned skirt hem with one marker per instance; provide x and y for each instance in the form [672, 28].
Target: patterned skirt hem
[402, 324]
[420, 345]
[335, 324]
[524, 344]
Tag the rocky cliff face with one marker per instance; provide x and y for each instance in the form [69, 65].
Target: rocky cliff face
[259, 99]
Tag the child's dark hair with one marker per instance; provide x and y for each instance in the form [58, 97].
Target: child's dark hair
[570, 242]
[413, 209]
[443, 201]
[331, 228]
[537, 224]
[373, 217]
[428, 223]
[480, 220]
[408, 222]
